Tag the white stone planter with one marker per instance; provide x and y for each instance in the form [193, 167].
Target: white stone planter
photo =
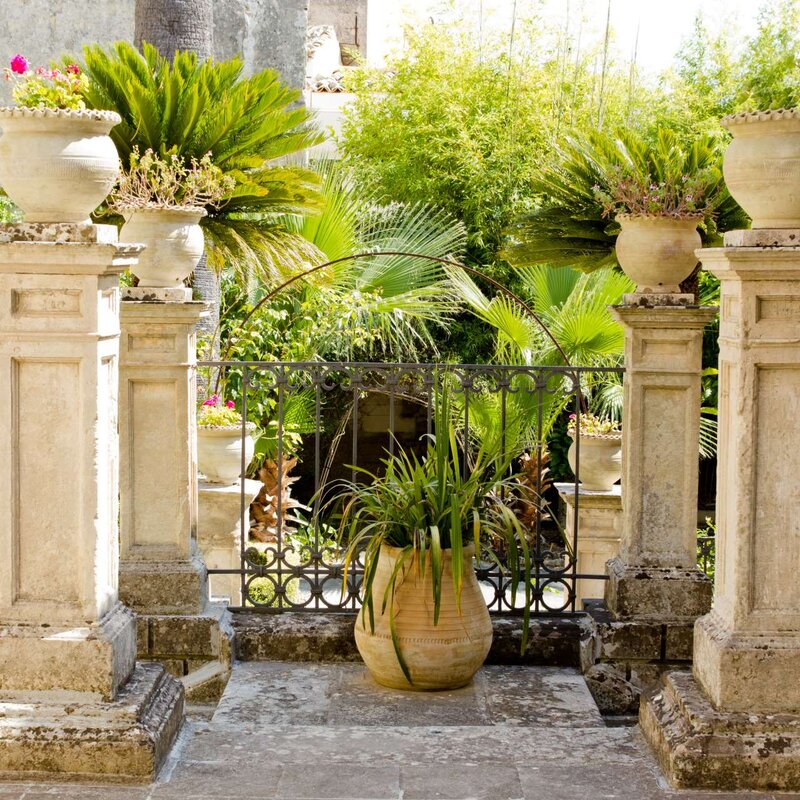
[657, 253]
[57, 165]
[219, 452]
[762, 166]
[601, 461]
[174, 242]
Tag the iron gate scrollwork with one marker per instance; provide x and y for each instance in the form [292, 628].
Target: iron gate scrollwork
[335, 417]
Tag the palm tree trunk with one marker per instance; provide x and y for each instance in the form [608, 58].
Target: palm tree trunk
[172, 25]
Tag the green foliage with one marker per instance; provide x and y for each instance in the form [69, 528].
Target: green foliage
[190, 108]
[569, 229]
[8, 211]
[424, 506]
[56, 88]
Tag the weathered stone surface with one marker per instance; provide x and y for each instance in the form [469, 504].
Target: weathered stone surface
[762, 237]
[164, 587]
[219, 533]
[123, 740]
[97, 658]
[163, 294]
[653, 300]
[611, 691]
[564, 641]
[161, 571]
[679, 642]
[58, 232]
[599, 531]
[655, 575]
[743, 671]
[674, 594]
[701, 747]
[195, 637]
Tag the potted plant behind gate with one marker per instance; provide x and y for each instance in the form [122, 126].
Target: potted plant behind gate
[658, 217]
[424, 624]
[57, 161]
[600, 451]
[162, 201]
[220, 441]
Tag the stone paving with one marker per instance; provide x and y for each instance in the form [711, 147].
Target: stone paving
[327, 732]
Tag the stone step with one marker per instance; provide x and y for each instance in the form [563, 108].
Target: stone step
[311, 637]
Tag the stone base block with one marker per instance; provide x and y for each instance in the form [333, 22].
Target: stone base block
[653, 299]
[96, 659]
[197, 649]
[657, 593]
[699, 747]
[58, 232]
[164, 587]
[741, 672]
[74, 738]
[763, 237]
[153, 294]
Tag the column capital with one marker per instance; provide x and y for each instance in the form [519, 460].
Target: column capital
[664, 317]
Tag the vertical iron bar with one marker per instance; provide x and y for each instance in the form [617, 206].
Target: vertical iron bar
[466, 388]
[242, 499]
[391, 414]
[354, 423]
[576, 513]
[281, 375]
[539, 593]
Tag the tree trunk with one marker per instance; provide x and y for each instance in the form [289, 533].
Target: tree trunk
[172, 25]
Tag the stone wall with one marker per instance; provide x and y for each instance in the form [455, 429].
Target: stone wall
[268, 33]
[342, 14]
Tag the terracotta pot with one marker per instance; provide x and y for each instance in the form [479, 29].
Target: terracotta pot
[219, 452]
[442, 656]
[762, 166]
[601, 461]
[174, 242]
[57, 165]
[657, 253]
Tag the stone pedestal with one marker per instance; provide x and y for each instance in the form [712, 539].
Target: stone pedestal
[655, 576]
[736, 722]
[161, 570]
[219, 533]
[599, 529]
[67, 645]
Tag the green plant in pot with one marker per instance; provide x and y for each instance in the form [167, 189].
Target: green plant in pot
[162, 201]
[424, 624]
[600, 451]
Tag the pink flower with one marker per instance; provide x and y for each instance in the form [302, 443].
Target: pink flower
[230, 404]
[572, 416]
[19, 64]
[74, 69]
[42, 71]
[212, 401]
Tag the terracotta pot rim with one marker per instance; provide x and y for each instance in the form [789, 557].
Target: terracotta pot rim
[164, 211]
[76, 114]
[749, 117]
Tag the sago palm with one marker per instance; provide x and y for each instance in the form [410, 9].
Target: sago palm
[568, 228]
[190, 107]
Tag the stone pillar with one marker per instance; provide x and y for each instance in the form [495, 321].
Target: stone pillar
[599, 527]
[219, 533]
[161, 570]
[655, 577]
[67, 644]
[736, 722]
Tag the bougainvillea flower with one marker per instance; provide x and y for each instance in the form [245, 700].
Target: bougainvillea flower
[230, 404]
[74, 69]
[212, 401]
[19, 64]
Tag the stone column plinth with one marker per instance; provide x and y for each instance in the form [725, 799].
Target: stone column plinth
[655, 577]
[219, 533]
[736, 722]
[72, 699]
[161, 570]
[599, 528]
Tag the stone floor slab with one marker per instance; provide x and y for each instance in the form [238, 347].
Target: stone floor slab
[308, 731]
